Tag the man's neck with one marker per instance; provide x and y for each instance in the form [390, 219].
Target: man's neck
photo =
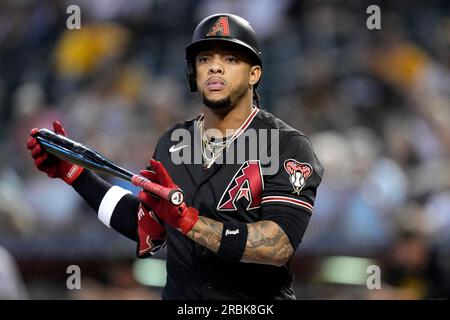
[227, 119]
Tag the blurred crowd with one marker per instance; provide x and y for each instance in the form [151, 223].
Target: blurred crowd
[375, 103]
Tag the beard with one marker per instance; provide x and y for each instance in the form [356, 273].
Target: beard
[228, 102]
[220, 104]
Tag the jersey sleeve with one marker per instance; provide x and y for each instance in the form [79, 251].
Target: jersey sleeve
[115, 206]
[289, 194]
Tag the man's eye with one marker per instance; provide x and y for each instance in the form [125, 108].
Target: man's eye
[231, 59]
[203, 59]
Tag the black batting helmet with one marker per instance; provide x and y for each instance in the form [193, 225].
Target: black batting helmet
[221, 27]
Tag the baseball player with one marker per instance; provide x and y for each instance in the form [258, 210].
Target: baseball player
[243, 216]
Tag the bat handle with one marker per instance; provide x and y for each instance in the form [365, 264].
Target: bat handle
[174, 196]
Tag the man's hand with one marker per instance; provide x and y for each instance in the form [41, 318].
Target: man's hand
[51, 165]
[180, 217]
[151, 233]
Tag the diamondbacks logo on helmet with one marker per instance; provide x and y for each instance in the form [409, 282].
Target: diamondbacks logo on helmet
[246, 184]
[298, 172]
[221, 26]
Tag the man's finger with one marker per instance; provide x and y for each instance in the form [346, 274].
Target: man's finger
[36, 152]
[148, 200]
[31, 143]
[151, 175]
[57, 127]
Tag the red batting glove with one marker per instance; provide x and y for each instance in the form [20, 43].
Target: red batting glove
[181, 217]
[53, 166]
[151, 233]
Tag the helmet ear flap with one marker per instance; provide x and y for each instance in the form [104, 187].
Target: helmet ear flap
[190, 74]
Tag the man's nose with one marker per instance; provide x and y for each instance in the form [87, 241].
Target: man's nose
[216, 66]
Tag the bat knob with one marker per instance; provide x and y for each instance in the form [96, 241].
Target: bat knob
[176, 197]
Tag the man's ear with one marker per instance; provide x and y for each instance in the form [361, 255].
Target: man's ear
[255, 74]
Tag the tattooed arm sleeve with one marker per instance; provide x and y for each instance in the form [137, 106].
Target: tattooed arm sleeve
[266, 243]
[207, 232]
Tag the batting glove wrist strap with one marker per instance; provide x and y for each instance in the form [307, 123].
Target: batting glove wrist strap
[72, 174]
[188, 218]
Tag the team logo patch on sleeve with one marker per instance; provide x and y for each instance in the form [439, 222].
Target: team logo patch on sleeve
[298, 172]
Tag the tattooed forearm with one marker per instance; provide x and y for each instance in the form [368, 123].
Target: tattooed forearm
[207, 232]
[268, 244]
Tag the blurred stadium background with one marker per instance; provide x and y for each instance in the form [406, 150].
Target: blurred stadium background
[375, 103]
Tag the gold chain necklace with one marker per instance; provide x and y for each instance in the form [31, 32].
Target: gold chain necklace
[216, 148]
[211, 151]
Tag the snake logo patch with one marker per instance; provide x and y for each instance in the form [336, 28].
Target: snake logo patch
[298, 172]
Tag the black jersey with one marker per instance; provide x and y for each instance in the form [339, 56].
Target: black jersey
[268, 172]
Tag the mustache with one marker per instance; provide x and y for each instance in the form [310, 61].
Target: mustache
[215, 79]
